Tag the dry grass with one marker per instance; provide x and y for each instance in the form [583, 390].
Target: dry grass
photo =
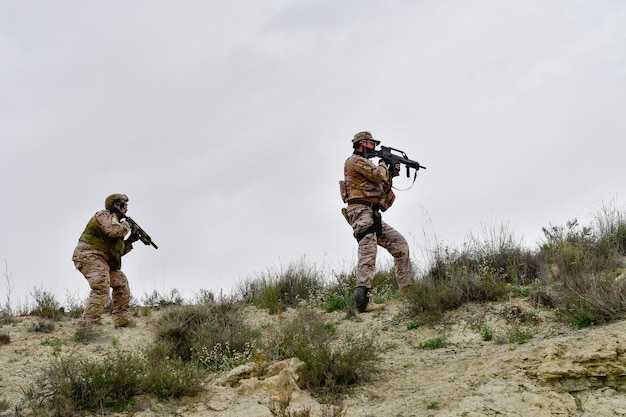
[578, 271]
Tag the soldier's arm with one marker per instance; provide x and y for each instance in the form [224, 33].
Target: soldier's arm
[111, 225]
[374, 173]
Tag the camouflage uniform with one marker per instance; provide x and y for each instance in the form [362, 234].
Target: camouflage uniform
[366, 185]
[99, 260]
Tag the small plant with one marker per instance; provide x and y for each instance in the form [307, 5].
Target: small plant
[5, 312]
[5, 339]
[486, 333]
[190, 333]
[46, 305]
[435, 343]
[339, 295]
[223, 358]
[109, 383]
[4, 405]
[331, 410]
[75, 306]
[279, 407]
[331, 368]
[411, 325]
[42, 326]
[145, 311]
[85, 334]
[519, 336]
[54, 343]
[157, 300]
[278, 290]
[433, 405]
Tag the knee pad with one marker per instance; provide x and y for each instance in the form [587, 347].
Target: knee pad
[361, 298]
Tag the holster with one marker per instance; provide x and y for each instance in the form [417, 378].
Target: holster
[376, 227]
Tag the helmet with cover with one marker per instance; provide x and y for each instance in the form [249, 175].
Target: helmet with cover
[115, 198]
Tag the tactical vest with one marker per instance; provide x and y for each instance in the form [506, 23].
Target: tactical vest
[113, 247]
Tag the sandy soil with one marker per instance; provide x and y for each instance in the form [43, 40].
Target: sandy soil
[558, 372]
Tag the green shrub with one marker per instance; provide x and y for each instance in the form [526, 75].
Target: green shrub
[42, 326]
[46, 305]
[431, 298]
[278, 290]
[435, 343]
[4, 405]
[109, 383]
[519, 336]
[192, 332]
[482, 271]
[331, 367]
[586, 265]
[498, 253]
[339, 295]
[486, 333]
[155, 299]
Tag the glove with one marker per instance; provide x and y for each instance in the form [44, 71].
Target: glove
[133, 237]
[382, 163]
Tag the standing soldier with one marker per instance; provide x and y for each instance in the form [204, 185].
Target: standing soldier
[367, 190]
[98, 256]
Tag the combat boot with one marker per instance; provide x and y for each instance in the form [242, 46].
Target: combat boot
[364, 302]
[121, 321]
[372, 306]
[404, 291]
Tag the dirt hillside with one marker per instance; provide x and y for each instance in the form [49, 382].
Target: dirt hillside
[556, 372]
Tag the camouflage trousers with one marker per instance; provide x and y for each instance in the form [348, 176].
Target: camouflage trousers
[361, 218]
[100, 277]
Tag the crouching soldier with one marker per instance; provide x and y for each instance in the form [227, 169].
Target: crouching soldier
[98, 256]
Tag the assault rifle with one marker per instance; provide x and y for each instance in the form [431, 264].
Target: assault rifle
[386, 154]
[135, 229]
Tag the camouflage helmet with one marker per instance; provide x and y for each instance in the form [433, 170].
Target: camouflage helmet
[115, 198]
[364, 136]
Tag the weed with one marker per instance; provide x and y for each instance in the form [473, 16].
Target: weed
[54, 343]
[4, 405]
[278, 290]
[74, 305]
[331, 368]
[339, 295]
[155, 299]
[223, 358]
[333, 410]
[109, 383]
[85, 334]
[42, 326]
[433, 405]
[486, 333]
[434, 343]
[519, 336]
[279, 407]
[46, 305]
[191, 332]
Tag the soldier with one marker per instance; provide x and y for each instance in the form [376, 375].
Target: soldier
[367, 190]
[98, 256]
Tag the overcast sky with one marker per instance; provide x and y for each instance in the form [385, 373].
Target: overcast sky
[227, 124]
